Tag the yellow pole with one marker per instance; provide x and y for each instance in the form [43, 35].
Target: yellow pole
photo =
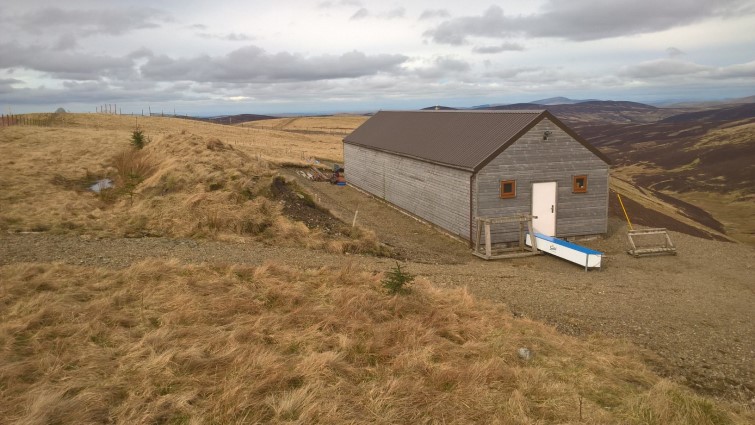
[625, 211]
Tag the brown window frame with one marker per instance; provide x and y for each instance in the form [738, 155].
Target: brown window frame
[508, 195]
[575, 187]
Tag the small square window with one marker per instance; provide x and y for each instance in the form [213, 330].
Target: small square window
[508, 188]
[579, 184]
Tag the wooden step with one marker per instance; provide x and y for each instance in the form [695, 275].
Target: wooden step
[651, 251]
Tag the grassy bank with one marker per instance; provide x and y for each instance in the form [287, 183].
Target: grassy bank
[161, 342]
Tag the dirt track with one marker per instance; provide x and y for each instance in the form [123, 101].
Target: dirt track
[694, 312]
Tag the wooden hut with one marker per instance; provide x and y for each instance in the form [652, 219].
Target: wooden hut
[450, 167]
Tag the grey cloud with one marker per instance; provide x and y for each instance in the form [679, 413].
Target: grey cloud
[89, 95]
[231, 36]
[510, 73]
[662, 68]
[434, 13]
[744, 71]
[492, 24]
[140, 53]
[66, 42]
[503, 47]
[332, 4]
[442, 66]
[6, 84]
[673, 52]
[360, 14]
[253, 64]
[398, 12]
[582, 20]
[85, 85]
[363, 13]
[63, 64]
[88, 22]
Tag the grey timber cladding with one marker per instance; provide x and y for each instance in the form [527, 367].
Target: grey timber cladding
[530, 159]
[430, 191]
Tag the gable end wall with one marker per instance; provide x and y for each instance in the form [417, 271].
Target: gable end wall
[432, 192]
[531, 160]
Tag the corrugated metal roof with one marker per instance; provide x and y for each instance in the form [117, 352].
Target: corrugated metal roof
[461, 139]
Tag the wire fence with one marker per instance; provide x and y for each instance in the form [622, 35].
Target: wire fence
[39, 120]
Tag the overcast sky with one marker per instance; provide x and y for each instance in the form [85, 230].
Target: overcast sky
[203, 57]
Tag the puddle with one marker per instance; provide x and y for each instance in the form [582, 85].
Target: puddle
[101, 185]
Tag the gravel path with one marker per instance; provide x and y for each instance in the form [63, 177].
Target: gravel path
[694, 312]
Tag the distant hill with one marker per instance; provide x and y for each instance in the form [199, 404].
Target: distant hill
[598, 111]
[733, 113]
[583, 111]
[710, 104]
[560, 100]
[438, 108]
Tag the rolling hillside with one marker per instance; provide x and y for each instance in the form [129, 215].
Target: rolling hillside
[604, 111]
[702, 162]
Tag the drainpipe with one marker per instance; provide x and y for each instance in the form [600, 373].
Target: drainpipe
[471, 206]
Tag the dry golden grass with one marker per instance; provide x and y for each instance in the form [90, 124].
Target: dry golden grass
[733, 210]
[161, 342]
[182, 184]
[343, 124]
[274, 145]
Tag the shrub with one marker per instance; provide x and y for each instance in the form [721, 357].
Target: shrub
[396, 280]
[132, 167]
[137, 139]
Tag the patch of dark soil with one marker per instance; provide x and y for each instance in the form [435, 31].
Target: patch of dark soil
[643, 216]
[299, 206]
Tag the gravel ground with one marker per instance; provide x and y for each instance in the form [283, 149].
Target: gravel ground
[693, 312]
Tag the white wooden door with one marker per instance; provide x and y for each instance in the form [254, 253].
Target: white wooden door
[544, 207]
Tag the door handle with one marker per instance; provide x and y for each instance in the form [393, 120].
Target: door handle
[552, 211]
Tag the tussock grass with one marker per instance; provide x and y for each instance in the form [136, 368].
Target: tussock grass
[335, 124]
[132, 166]
[180, 184]
[161, 342]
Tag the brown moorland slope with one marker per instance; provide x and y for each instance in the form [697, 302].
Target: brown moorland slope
[702, 162]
